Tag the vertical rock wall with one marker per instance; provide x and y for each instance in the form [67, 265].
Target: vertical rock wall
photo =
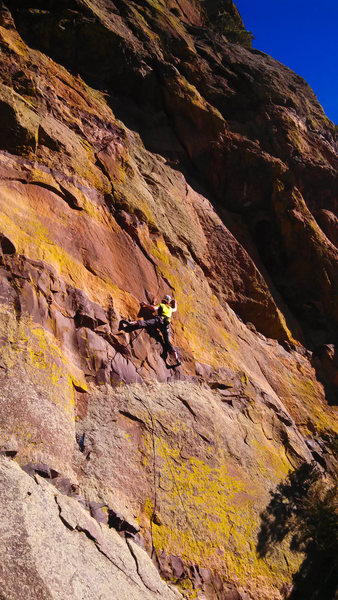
[144, 151]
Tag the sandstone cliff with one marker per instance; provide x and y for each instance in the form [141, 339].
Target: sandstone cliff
[146, 149]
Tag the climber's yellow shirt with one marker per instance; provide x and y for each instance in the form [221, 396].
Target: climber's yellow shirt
[164, 310]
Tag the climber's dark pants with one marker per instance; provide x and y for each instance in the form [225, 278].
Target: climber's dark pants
[160, 323]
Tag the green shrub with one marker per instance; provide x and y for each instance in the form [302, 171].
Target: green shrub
[233, 30]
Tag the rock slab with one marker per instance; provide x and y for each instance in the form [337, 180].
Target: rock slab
[53, 549]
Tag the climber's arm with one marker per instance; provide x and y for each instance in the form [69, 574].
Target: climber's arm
[149, 306]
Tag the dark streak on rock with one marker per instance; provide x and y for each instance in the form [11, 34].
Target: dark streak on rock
[132, 417]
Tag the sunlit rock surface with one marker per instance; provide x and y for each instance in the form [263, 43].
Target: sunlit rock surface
[146, 149]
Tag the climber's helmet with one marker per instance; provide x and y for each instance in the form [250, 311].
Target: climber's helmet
[167, 299]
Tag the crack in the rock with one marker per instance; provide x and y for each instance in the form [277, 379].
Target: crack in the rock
[132, 417]
[163, 427]
[115, 565]
[138, 568]
[204, 437]
[149, 365]
[87, 533]
[90, 537]
[187, 405]
[101, 166]
[68, 525]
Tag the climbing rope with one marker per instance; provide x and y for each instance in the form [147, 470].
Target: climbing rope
[152, 430]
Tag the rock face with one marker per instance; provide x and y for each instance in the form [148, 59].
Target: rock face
[147, 149]
[59, 551]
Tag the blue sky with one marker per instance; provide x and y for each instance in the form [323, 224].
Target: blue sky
[303, 35]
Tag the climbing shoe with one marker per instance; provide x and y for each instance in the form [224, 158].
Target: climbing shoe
[177, 364]
[173, 356]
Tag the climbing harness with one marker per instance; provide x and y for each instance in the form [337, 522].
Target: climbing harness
[163, 322]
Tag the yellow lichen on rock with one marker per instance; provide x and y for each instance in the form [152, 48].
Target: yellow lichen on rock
[208, 507]
[39, 388]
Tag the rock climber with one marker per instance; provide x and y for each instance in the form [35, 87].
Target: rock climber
[161, 321]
